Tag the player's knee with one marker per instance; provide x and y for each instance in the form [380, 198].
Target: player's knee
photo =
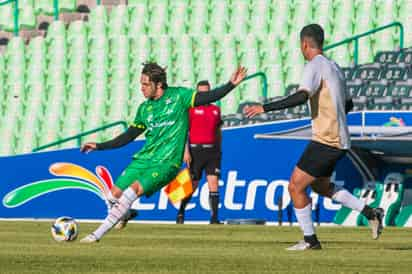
[138, 189]
[116, 192]
[292, 187]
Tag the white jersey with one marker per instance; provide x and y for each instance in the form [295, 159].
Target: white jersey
[326, 85]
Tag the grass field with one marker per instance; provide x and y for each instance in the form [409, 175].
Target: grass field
[27, 247]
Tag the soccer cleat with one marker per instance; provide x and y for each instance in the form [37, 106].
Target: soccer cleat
[215, 222]
[89, 239]
[131, 214]
[376, 224]
[302, 245]
[180, 219]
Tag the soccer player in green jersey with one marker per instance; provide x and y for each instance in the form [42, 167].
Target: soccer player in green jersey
[164, 117]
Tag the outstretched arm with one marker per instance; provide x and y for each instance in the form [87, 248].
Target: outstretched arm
[298, 98]
[123, 139]
[204, 98]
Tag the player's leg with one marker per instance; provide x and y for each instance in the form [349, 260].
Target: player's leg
[298, 184]
[118, 211]
[196, 168]
[213, 184]
[325, 187]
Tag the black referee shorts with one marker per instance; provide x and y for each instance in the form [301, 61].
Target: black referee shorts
[205, 158]
[319, 160]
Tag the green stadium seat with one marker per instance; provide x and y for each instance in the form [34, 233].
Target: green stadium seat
[56, 29]
[178, 17]
[322, 11]
[218, 23]
[25, 3]
[158, 21]
[67, 5]
[198, 18]
[6, 17]
[76, 29]
[27, 18]
[119, 21]
[137, 25]
[97, 22]
[394, 73]
[162, 50]
[280, 19]
[386, 57]
[137, 3]
[44, 7]
[259, 17]
[239, 17]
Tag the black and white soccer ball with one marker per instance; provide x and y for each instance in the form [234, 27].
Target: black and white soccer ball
[64, 229]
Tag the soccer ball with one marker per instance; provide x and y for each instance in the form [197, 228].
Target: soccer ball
[64, 229]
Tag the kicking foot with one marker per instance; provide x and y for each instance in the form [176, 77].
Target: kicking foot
[180, 219]
[376, 223]
[89, 239]
[131, 214]
[302, 245]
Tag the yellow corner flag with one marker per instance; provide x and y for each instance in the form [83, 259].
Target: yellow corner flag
[180, 187]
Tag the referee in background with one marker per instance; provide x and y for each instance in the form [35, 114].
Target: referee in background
[203, 152]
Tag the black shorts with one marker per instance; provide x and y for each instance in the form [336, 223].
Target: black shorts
[319, 160]
[205, 158]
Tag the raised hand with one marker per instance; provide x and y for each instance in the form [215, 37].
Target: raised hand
[238, 76]
[88, 147]
[251, 111]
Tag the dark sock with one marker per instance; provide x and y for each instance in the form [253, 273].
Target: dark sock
[183, 205]
[214, 204]
[368, 212]
[312, 239]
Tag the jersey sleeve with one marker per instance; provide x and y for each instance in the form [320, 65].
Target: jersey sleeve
[188, 97]
[138, 121]
[311, 79]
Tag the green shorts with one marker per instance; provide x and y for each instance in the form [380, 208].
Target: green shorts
[152, 177]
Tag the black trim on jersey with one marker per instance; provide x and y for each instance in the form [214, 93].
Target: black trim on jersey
[204, 98]
[123, 139]
[295, 99]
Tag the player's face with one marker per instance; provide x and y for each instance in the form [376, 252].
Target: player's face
[148, 87]
[203, 88]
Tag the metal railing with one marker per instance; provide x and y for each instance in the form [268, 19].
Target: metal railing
[356, 38]
[79, 137]
[264, 82]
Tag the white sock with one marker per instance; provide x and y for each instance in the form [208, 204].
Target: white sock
[344, 197]
[116, 212]
[304, 217]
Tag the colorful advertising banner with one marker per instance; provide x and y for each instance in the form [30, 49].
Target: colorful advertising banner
[253, 184]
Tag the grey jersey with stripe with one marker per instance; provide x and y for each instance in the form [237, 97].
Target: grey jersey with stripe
[324, 81]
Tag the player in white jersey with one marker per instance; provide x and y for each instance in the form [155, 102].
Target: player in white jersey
[323, 84]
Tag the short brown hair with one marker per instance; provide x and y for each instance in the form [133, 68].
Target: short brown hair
[156, 73]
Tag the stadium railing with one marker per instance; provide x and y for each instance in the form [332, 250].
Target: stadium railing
[79, 137]
[356, 38]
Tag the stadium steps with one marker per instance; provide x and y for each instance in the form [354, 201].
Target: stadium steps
[83, 74]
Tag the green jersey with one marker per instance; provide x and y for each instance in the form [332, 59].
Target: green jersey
[166, 122]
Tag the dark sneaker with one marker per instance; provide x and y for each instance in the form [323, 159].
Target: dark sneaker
[215, 222]
[302, 246]
[376, 224]
[180, 219]
[131, 214]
